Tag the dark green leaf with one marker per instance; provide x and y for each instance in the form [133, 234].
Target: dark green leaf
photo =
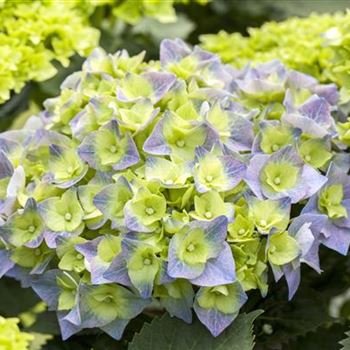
[173, 334]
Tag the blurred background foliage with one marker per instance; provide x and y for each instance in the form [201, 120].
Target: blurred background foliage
[319, 315]
[142, 24]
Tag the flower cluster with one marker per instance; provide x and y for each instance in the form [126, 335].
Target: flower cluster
[11, 338]
[179, 182]
[34, 34]
[316, 45]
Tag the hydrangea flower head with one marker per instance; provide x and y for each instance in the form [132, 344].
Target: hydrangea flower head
[174, 181]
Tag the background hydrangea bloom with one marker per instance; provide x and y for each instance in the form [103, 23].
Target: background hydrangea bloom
[316, 48]
[173, 181]
[11, 337]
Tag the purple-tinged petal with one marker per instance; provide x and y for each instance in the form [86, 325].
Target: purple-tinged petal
[178, 268]
[317, 109]
[118, 272]
[316, 221]
[67, 328]
[116, 328]
[219, 270]
[20, 274]
[214, 320]
[173, 51]
[276, 271]
[293, 279]
[328, 91]
[6, 168]
[45, 286]
[252, 176]
[6, 263]
[156, 144]
[298, 80]
[336, 238]
[112, 199]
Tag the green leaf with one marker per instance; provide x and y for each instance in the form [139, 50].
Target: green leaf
[173, 334]
[346, 342]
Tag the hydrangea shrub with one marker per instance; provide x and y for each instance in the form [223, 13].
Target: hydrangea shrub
[177, 183]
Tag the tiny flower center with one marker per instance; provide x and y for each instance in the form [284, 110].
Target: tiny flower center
[37, 252]
[272, 249]
[108, 299]
[79, 257]
[263, 223]
[68, 216]
[208, 215]
[169, 182]
[277, 180]
[113, 149]
[149, 211]
[241, 231]
[147, 261]
[180, 143]
[209, 178]
[308, 158]
[31, 228]
[190, 248]
[275, 148]
[70, 170]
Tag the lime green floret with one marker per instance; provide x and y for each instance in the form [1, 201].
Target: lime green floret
[185, 68]
[70, 259]
[241, 229]
[25, 228]
[315, 153]
[149, 208]
[67, 166]
[135, 86]
[28, 257]
[267, 214]
[143, 265]
[278, 177]
[109, 302]
[221, 298]
[194, 249]
[274, 138]
[65, 213]
[209, 206]
[183, 141]
[211, 173]
[109, 148]
[330, 202]
[283, 249]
